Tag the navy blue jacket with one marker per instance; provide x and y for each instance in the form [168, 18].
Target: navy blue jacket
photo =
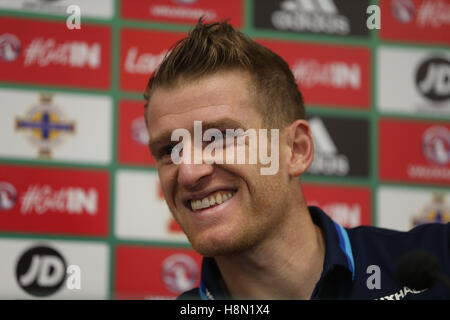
[348, 257]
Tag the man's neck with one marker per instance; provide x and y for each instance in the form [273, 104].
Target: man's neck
[286, 265]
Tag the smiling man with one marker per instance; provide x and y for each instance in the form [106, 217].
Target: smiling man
[259, 238]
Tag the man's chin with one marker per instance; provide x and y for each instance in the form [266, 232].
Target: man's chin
[215, 246]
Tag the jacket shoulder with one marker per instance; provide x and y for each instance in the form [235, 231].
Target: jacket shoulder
[192, 294]
[371, 242]
[424, 235]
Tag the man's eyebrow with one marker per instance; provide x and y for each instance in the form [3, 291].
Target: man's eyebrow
[221, 124]
[154, 143]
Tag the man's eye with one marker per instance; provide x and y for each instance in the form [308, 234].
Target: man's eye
[227, 136]
[166, 151]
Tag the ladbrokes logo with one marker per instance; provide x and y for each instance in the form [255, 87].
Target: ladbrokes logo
[40, 199]
[433, 79]
[141, 58]
[144, 63]
[75, 54]
[340, 75]
[41, 271]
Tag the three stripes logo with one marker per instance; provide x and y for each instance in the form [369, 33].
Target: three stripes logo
[327, 159]
[311, 15]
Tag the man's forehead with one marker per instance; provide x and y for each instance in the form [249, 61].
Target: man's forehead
[184, 102]
[226, 87]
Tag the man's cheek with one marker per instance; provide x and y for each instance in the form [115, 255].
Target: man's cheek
[165, 180]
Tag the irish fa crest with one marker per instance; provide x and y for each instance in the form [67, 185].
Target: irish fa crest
[437, 210]
[45, 126]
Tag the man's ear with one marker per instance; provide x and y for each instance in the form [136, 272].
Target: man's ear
[300, 143]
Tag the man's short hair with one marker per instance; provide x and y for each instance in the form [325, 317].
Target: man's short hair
[214, 47]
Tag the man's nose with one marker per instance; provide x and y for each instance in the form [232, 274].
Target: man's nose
[190, 175]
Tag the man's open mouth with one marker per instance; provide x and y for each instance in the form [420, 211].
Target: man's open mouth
[214, 199]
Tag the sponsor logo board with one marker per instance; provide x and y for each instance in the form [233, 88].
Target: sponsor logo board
[133, 134]
[325, 17]
[47, 269]
[55, 126]
[425, 21]
[184, 11]
[155, 273]
[413, 81]
[57, 201]
[333, 155]
[45, 52]
[342, 72]
[348, 206]
[141, 211]
[103, 9]
[403, 209]
[141, 53]
[414, 151]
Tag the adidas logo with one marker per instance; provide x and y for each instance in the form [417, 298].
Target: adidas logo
[318, 16]
[327, 159]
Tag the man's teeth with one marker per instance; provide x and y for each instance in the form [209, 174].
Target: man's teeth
[209, 201]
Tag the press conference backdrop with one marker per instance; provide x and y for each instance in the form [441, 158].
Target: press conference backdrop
[81, 210]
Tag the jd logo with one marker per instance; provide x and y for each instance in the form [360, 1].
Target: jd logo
[433, 79]
[41, 271]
